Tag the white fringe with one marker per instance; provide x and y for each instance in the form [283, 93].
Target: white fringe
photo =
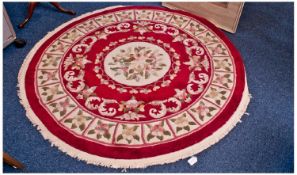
[120, 163]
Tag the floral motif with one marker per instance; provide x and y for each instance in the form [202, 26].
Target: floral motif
[129, 134]
[88, 26]
[132, 105]
[182, 95]
[141, 27]
[218, 50]
[101, 130]
[47, 76]
[203, 111]
[179, 20]
[223, 64]
[195, 28]
[208, 38]
[50, 60]
[162, 16]
[125, 15]
[51, 91]
[143, 14]
[77, 63]
[217, 95]
[79, 120]
[137, 63]
[198, 62]
[105, 19]
[58, 46]
[72, 35]
[157, 131]
[223, 79]
[182, 123]
[62, 106]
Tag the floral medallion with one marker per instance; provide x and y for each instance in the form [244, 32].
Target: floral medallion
[137, 63]
[113, 86]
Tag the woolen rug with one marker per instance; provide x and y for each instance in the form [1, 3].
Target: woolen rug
[130, 87]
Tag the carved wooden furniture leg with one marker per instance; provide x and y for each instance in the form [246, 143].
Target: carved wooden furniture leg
[31, 8]
[12, 162]
[61, 9]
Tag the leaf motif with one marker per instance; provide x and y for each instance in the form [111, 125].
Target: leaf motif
[211, 108]
[69, 120]
[82, 126]
[193, 110]
[63, 112]
[192, 123]
[48, 98]
[135, 128]
[167, 133]
[55, 110]
[178, 129]
[201, 117]
[98, 136]
[218, 102]
[136, 137]
[91, 132]
[149, 137]
[160, 137]
[107, 135]
[120, 137]
[73, 126]
[187, 128]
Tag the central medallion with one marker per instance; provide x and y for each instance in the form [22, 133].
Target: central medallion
[137, 63]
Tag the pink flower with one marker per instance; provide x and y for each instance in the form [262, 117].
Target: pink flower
[157, 130]
[102, 128]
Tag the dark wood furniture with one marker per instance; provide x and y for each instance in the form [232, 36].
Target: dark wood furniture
[32, 6]
[12, 162]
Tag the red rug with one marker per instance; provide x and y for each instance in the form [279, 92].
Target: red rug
[134, 86]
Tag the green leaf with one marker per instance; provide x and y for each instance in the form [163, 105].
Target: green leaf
[69, 120]
[73, 126]
[187, 128]
[62, 112]
[167, 133]
[98, 136]
[48, 98]
[201, 117]
[135, 128]
[82, 126]
[55, 110]
[160, 137]
[192, 123]
[178, 129]
[218, 102]
[120, 137]
[149, 137]
[107, 135]
[91, 132]
[136, 137]
[211, 108]
[223, 92]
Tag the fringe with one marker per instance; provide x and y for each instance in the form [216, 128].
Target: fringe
[120, 163]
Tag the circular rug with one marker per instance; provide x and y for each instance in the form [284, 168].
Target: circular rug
[129, 87]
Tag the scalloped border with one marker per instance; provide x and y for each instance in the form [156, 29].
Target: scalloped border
[121, 163]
